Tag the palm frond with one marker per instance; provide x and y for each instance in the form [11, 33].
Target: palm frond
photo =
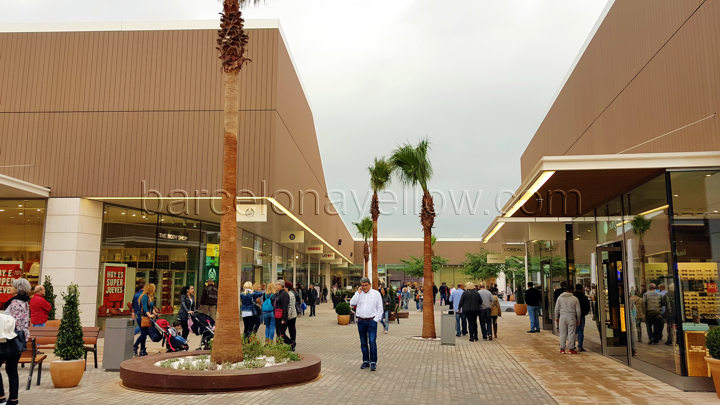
[640, 225]
[412, 163]
[364, 228]
[380, 173]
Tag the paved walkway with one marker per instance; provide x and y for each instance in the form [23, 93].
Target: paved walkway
[411, 371]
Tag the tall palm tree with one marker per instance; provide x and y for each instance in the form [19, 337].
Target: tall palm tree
[380, 173]
[640, 226]
[232, 43]
[365, 229]
[414, 168]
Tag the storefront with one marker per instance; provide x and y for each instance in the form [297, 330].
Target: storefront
[22, 222]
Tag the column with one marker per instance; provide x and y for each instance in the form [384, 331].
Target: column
[328, 279]
[274, 262]
[71, 251]
[294, 259]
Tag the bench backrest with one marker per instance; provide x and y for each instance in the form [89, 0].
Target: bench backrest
[46, 335]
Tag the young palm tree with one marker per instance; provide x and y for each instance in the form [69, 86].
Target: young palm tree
[380, 173]
[365, 229]
[414, 168]
[640, 226]
[232, 44]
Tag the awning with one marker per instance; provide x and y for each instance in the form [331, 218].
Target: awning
[11, 187]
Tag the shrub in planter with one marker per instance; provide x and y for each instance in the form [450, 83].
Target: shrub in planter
[712, 343]
[342, 309]
[69, 345]
[50, 296]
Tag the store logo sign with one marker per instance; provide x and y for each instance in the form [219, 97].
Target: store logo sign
[251, 213]
[314, 249]
[292, 237]
[171, 236]
[327, 257]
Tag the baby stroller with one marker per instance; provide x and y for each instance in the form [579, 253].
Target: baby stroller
[171, 340]
[203, 325]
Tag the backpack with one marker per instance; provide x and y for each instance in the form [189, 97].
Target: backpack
[267, 305]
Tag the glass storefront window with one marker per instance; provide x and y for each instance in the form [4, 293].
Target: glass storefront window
[22, 223]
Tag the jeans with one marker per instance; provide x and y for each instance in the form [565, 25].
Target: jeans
[368, 336]
[654, 327]
[461, 319]
[534, 313]
[385, 321]
[581, 332]
[39, 325]
[269, 321]
[567, 327]
[485, 323]
[420, 304]
[472, 324]
[443, 299]
[248, 325]
[312, 309]
[141, 340]
[494, 324]
[11, 363]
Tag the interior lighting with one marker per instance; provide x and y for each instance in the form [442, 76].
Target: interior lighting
[676, 195]
[494, 231]
[20, 205]
[544, 177]
[2, 210]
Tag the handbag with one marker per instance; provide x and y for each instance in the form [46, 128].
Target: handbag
[303, 306]
[278, 313]
[15, 345]
[145, 322]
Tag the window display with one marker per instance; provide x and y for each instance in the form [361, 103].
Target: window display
[22, 223]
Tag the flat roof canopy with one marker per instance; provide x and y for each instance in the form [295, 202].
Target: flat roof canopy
[11, 187]
[562, 188]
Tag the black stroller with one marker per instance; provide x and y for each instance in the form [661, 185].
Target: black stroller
[203, 325]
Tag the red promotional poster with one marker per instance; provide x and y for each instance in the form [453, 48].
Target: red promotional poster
[114, 286]
[9, 271]
[712, 287]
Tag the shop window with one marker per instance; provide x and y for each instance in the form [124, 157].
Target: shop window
[22, 223]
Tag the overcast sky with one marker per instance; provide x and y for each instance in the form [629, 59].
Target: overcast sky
[474, 76]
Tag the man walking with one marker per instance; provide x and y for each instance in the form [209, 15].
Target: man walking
[567, 318]
[312, 298]
[459, 316]
[485, 306]
[584, 310]
[532, 299]
[368, 312]
[208, 302]
[655, 305]
[443, 293]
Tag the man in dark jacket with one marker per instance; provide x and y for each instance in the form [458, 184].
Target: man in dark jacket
[533, 299]
[208, 301]
[470, 302]
[282, 302]
[584, 310]
[312, 298]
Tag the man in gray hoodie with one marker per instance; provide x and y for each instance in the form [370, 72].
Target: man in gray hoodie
[567, 317]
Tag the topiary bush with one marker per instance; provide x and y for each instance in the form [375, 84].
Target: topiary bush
[69, 344]
[342, 308]
[50, 296]
[712, 342]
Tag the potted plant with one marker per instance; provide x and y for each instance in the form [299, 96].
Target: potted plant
[342, 309]
[520, 306]
[712, 343]
[69, 346]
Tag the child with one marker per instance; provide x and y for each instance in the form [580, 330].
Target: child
[176, 342]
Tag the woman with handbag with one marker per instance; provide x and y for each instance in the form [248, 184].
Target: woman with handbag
[187, 307]
[18, 310]
[268, 309]
[247, 308]
[292, 312]
[147, 303]
[282, 302]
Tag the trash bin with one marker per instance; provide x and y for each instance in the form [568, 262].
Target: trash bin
[447, 328]
[118, 345]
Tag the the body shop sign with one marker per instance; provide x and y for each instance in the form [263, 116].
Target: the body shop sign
[9, 271]
[114, 285]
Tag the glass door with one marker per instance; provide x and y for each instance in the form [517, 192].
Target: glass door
[611, 301]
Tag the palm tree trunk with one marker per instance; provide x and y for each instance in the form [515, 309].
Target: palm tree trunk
[225, 344]
[366, 256]
[427, 218]
[375, 213]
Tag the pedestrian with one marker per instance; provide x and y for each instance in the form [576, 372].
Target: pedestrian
[282, 311]
[257, 307]
[435, 293]
[460, 317]
[18, 308]
[419, 296]
[268, 316]
[312, 298]
[292, 313]
[495, 312]
[208, 302]
[637, 312]
[567, 319]
[405, 297]
[298, 299]
[387, 301]
[303, 299]
[248, 311]
[39, 307]
[667, 315]
[443, 293]
[485, 307]
[148, 312]
[368, 312]
[470, 303]
[137, 310]
[533, 299]
[654, 305]
[324, 294]
[584, 310]
[559, 290]
[187, 308]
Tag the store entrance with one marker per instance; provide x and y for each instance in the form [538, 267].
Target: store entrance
[612, 322]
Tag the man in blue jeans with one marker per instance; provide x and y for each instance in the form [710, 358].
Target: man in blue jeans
[460, 318]
[368, 312]
[533, 299]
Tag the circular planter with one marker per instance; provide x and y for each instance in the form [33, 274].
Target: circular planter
[714, 365]
[520, 309]
[141, 373]
[343, 319]
[66, 373]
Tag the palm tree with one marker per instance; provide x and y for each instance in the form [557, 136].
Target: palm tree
[365, 229]
[232, 44]
[640, 226]
[380, 173]
[414, 168]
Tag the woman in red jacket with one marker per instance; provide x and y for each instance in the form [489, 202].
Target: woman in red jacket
[39, 307]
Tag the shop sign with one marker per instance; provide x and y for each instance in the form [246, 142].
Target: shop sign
[9, 271]
[513, 250]
[212, 261]
[337, 261]
[114, 285]
[212, 250]
[292, 237]
[327, 257]
[171, 236]
[314, 248]
[251, 213]
[494, 258]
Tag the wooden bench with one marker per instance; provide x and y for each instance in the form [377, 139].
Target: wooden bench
[47, 336]
[31, 356]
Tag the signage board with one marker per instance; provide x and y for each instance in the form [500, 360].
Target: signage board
[327, 257]
[114, 285]
[292, 237]
[513, 250]
[9, 271]
[251, 213]
[318, 248]
[495, 258]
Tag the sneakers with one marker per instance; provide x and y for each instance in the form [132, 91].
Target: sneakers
[562, 351]
[373, 366]
[580, 349]
[573, 351]
[364, 365]
[143, 353]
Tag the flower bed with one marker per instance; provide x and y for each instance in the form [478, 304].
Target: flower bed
[203, 362]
